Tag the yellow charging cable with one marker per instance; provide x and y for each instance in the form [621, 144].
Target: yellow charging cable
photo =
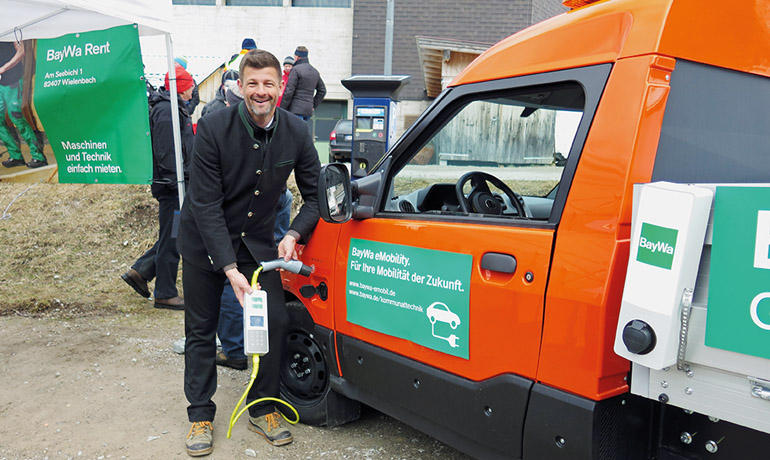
[254, 369]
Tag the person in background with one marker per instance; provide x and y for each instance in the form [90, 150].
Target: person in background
[11, 76]
[195, 99]
[161, 261]
[247, 45]
[233, 95]
[288, 63]
[220, 101]
[305, 88]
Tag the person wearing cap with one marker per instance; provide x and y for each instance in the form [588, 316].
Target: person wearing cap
[233, 94]
[195, 99]
[161, 261]
[305, 88]
[243, 157]
[220, 100]
[288, 63]
[247, 45]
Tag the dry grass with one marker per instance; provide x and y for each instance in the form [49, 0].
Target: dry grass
[65, 245]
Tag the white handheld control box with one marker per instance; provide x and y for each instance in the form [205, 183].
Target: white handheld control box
[255, 337]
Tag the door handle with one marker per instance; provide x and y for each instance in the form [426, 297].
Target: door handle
[497, 262]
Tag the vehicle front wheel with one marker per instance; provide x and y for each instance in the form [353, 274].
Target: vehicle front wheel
[305, 375]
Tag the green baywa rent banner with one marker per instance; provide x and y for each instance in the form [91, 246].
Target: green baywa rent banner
[91, 97]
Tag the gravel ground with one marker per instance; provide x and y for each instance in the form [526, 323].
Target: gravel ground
[100, 386]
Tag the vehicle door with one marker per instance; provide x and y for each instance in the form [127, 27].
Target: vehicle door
[457, 279]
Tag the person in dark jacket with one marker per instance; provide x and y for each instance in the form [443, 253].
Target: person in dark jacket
[305, 88]
[230, 330]
[161, 261]
[220, 100]
[243, 156]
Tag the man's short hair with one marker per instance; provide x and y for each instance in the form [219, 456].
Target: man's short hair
[260, 59]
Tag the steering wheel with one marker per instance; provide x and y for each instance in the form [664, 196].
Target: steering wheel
[480, 199]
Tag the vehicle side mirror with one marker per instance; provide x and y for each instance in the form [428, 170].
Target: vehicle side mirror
[334, 193]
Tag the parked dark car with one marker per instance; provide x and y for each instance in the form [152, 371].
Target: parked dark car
[340, 141]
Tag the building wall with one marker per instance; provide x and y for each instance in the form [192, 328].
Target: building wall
[485, 21]
[209, 35]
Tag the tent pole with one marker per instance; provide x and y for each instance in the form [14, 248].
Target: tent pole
[175, 119]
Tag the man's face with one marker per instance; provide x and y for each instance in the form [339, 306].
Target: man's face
[261, 88]
[287, 68]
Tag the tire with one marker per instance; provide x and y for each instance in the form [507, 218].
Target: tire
[304, 371]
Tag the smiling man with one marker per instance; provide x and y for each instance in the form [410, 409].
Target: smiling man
[242, 157]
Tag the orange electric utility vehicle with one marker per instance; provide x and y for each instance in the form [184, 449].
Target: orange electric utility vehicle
[471, 284]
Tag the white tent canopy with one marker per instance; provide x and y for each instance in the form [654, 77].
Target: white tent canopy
[25, 19]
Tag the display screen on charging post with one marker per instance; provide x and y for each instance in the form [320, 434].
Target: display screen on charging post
[370, 123]
[363, 124]
[370, 111]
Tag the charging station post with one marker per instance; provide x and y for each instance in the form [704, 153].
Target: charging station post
[374, 118]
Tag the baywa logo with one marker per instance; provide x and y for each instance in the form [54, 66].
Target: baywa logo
[657, 245]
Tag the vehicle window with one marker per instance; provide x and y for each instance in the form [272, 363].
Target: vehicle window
[507, 150]
[716, 128]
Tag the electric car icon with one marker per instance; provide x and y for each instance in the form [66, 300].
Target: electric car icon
[438, 311]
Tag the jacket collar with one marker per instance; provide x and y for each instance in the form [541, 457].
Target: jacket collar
[252, 128]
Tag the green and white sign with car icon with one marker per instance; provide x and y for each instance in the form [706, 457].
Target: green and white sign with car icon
[417, 294]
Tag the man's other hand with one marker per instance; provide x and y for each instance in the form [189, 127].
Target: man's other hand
[287, 248]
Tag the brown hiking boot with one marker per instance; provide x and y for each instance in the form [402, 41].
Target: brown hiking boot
[269, 427]
[200, 439]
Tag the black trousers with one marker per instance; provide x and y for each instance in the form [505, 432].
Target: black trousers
[202, 293]
[161, 261]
